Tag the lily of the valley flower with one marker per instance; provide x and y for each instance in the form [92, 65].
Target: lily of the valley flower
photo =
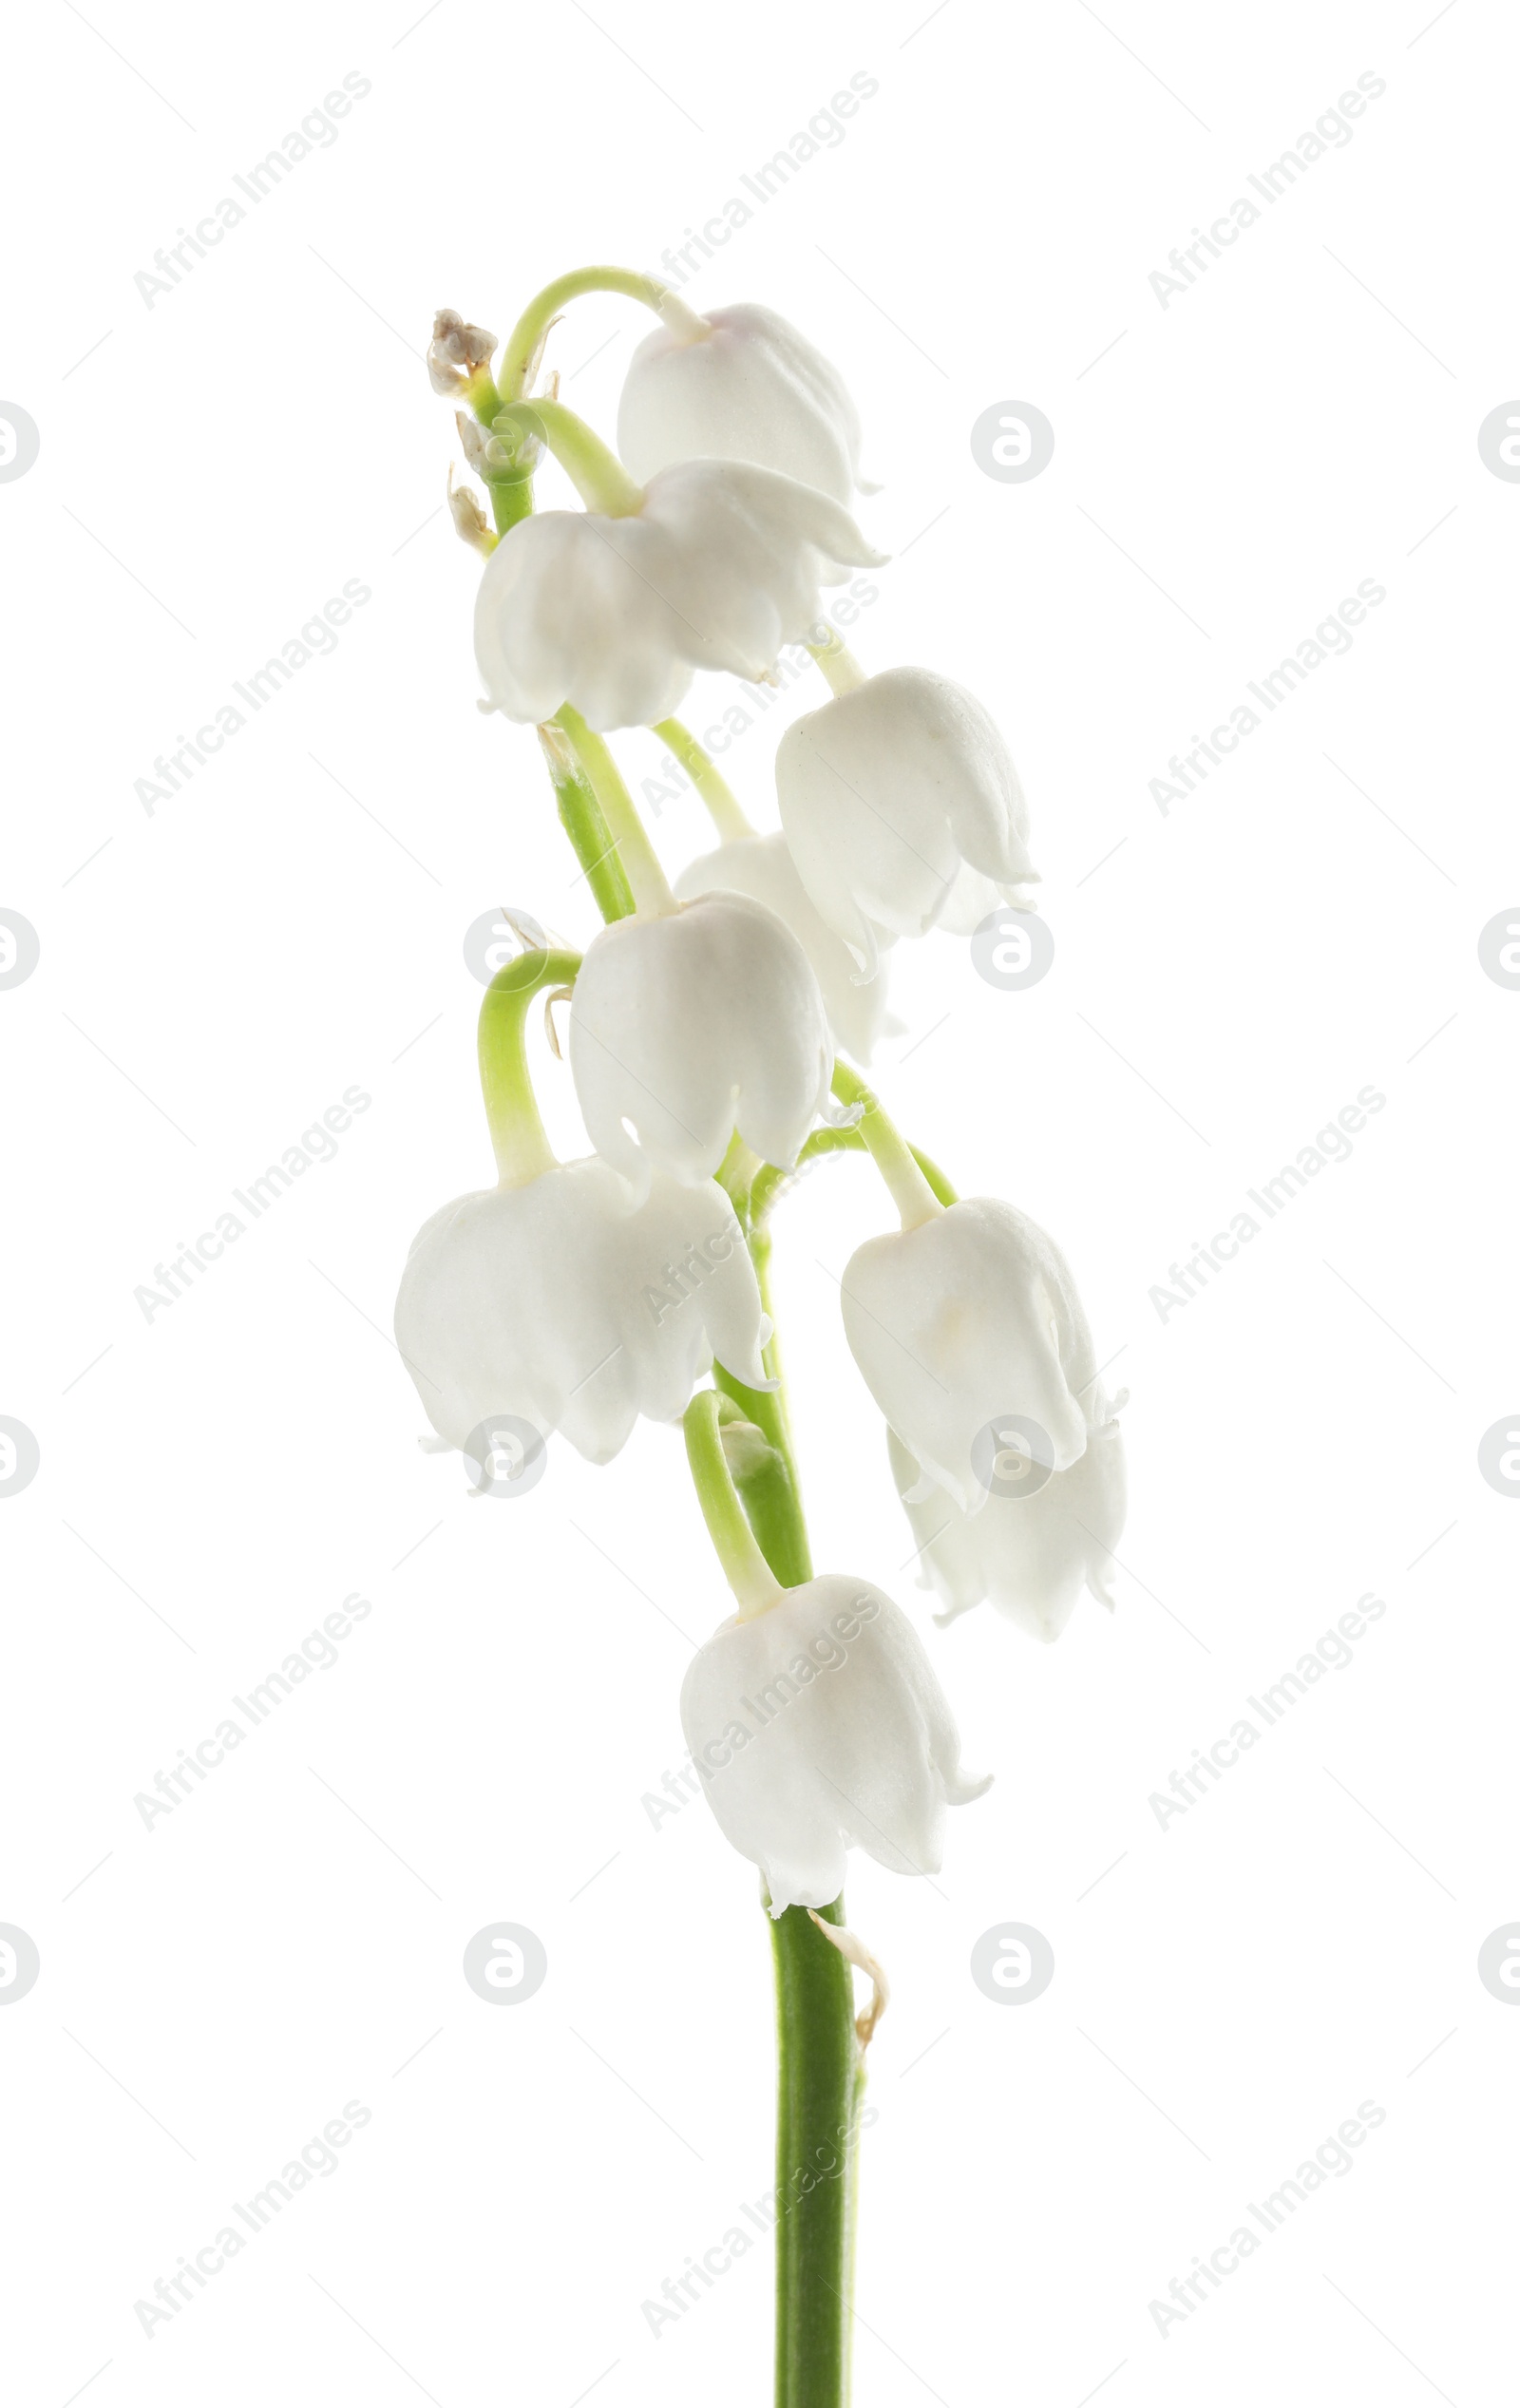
[713, 565]
[970, 1316]
[762, 867]
[688, 1025]
[1032, 1555]
[902, 810]
[568, 1303]
[818, 1725]
[740, 384]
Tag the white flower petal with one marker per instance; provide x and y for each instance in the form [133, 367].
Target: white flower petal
[685, 1027]
[721, 566]
[974, 898]
[887, 794]
[1031, 1556]
[818, 1725]
[751, 387]
[970, 1315]
[572, 1305]
[762, 867]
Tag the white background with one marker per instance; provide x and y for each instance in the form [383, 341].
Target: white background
[214, 974]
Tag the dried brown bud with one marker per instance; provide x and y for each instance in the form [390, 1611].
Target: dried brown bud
[470, 519]
[456, 351]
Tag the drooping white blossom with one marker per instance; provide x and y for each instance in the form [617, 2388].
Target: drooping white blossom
[1031, 1555]
[569, 1304]
[903, 810]
[971, 1317]
[720, 566]
[817, 1726]
[686, 1026]
[743, 385]
[762, 867]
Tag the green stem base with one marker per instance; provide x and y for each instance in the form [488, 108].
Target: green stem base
[822, 2076]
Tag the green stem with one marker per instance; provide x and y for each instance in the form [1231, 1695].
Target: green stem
[893, 1156]
[651, 888]
[722, 803]
[599, 476]
[820, 2064]
[821, 2070]
[820, 2078]
[754, 1584]
[522, 1150]
[523, 342]
[511, 500]
[838, 663]
[772, 1184]
[580, 816]
[771, 1496]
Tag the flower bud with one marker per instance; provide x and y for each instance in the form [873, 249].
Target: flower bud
[966, 1321]
[745, 386]
[685, 1027]
[455, 351]
[889, 795]
[568, 1303]
[1032, 1555]
[817, 1726]
[718, 567]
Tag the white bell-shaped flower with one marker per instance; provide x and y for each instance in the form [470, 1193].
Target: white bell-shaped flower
[718, 567]
[762, 867]
[890, 794]
[818, 1725]
[965, 1325]
[740, 384]
[1032, 1555]
[569, 1304]
[689, 1025]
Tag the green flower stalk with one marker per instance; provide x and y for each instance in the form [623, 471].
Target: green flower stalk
[571, 1299]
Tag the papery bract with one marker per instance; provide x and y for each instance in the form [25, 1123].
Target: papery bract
[762, 867]
[748, 387]
[970, 1315]
[721, 566]
[889, 795]
[1032, 1556]
[686, 1026]
[572, 1305]
[819, 1725]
